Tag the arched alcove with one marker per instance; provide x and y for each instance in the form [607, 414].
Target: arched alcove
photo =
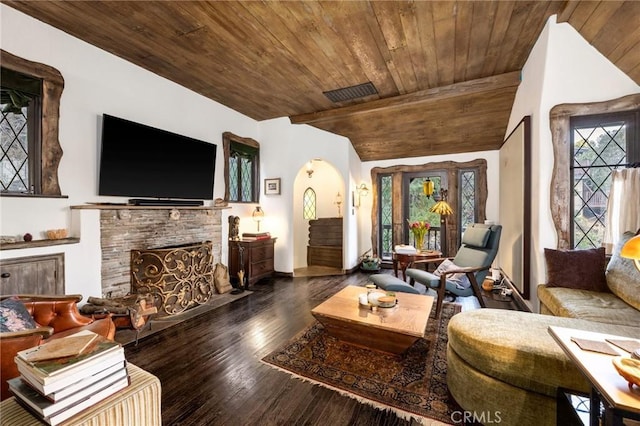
[326, 182]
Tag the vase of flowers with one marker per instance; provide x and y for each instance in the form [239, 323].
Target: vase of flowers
[419, 229]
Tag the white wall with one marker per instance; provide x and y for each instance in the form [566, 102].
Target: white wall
[562, 68]
[289, 149]
[493, 164]
[97, 82]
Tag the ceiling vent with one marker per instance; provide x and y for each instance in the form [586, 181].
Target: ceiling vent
[352, 92]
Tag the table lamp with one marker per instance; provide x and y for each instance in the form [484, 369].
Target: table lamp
[258, 215]
[631, 250]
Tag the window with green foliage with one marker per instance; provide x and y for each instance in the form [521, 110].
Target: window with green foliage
[600, 144]
[242, 178]
[385, 212]
[468, 198]
[309, 204]
[20, 141]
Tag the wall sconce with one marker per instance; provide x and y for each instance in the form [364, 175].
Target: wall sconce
[258, 215]
[338, 202]
[631, 250]
[427, 187]
[363, 190]
[310, 168]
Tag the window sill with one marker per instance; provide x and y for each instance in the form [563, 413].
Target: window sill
[38, 243]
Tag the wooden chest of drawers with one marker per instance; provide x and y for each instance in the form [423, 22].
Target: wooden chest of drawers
[257, 259]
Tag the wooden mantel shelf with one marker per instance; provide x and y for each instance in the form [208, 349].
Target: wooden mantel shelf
[38, 243]
[105, 206]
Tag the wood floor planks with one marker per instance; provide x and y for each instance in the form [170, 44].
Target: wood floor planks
[210, 366]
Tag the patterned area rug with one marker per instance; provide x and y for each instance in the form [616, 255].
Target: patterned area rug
[412, 386]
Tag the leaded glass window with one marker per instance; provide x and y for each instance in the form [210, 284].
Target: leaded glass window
[599, 145]
[386, 216]
[20, 136]
[309, 204]
[242, 179]
[468, 197]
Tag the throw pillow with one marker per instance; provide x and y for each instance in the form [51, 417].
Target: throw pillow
[579, 269]
[623, 278]
[14, 316]
[460, 279]
[476, 236]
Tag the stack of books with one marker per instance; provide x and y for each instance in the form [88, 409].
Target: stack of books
[68, 375]
[405, 249]
[256, 236]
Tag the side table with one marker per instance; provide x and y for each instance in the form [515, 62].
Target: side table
[403, 260]
[607, 386]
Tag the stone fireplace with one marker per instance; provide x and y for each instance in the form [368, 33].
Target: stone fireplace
[126, 228]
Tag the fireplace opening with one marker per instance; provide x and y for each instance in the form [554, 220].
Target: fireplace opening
[179, 277]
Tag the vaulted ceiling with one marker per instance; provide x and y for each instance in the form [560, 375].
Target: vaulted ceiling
[445, 73]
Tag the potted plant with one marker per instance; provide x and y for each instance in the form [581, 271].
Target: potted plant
[369, 262]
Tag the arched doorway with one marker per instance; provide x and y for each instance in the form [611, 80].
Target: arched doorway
[315, 198]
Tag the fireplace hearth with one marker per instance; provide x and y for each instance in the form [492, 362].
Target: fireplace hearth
[179, 277]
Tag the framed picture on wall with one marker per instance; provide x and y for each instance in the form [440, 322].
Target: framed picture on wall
[272, 186]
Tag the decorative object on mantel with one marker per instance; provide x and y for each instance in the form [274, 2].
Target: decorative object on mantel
[7, 239]
[174, 214]
[220, 202]
[27, 237]
[56, 234]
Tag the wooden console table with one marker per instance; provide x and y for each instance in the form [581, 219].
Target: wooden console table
[257, 259]
[404, 260]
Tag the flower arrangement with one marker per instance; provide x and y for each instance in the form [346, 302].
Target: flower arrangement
[419, 229]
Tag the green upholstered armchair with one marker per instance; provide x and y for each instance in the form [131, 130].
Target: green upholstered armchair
[478, 250]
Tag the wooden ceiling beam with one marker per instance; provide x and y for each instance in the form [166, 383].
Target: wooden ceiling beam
[436, 94]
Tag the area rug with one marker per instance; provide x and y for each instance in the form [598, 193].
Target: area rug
[412, 386]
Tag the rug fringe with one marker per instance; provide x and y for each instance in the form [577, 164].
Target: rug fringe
[405, 415]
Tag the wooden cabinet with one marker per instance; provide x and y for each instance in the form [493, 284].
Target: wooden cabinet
[33, 275]
[325, 242]
[257, 259]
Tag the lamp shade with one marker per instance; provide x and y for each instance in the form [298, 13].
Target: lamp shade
[258, 215]
[631, 250]
[442, 208]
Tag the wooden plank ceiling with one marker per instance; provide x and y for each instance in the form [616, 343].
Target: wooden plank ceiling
[446, 72]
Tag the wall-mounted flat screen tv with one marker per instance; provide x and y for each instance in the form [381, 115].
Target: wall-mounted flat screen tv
[143, 161]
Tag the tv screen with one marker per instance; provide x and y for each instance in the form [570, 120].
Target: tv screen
[142, 161]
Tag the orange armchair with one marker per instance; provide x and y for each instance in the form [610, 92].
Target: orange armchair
[56, 316]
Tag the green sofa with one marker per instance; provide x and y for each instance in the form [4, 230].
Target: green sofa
[505, 363]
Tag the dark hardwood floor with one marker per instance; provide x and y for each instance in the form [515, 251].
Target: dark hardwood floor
[210, 366]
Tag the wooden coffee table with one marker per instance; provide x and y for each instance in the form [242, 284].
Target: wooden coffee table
[391, 330]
